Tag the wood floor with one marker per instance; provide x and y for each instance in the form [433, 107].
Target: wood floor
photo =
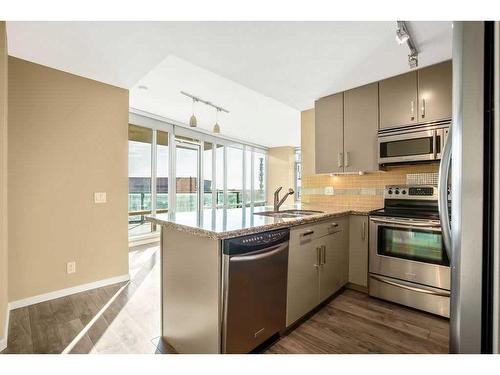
[130, 324]
[125, 318]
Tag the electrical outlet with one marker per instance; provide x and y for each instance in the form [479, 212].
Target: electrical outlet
[71, 267]
[329, 190]
[100, 197]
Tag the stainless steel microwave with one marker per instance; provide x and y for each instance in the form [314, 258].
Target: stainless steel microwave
[409, 144]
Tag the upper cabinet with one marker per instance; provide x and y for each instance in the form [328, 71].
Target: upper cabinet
[329, 136]
[360, 128]
[417, 97]
[346, 124]
[434, 92]
[398, 100]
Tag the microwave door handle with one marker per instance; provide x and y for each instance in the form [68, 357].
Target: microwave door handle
[444, 215]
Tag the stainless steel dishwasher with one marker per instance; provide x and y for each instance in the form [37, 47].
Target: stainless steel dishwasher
[254, 289]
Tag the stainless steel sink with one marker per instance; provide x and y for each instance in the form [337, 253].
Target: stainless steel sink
[288, 214]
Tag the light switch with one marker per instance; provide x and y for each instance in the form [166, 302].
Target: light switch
[329, 190]
[100, 197]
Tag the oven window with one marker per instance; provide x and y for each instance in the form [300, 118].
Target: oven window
[413, 244]
[406, 147]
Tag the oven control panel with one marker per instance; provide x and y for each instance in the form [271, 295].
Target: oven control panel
[413, 192]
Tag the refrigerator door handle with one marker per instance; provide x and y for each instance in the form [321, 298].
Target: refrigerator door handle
[444, 215]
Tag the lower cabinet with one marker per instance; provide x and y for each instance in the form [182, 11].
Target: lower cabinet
[358, 250]
[318, 265]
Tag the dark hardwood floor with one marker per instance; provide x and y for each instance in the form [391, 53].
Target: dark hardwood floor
[125, 318]
[353, 322]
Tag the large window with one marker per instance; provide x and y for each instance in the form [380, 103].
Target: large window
[298, 174]
[259, 178]
[202, 171]
[219, 175]
[234, 176]
[139, 179]
[208, 181]
[162, 158]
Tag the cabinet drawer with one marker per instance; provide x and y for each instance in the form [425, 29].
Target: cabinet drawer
[306, 233]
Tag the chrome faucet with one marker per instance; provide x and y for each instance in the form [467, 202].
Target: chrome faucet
[277, 201]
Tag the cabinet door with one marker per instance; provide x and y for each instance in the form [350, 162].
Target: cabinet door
[335, 268]
[329, 137]
[360, 128]
[358, 250]
[303, 279]
[398, 100]
[434, 92]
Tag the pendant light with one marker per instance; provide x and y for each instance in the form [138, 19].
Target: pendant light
[192, 121]
[216, 129]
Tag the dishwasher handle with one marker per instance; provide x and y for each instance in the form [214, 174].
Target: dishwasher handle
[261, 254]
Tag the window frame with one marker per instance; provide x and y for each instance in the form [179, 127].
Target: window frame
[199, 136]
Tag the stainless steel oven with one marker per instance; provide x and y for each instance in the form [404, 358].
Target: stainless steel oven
[408, 262]
[411, 144]
[410, 250]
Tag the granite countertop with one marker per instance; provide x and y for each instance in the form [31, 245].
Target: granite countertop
[221, 223]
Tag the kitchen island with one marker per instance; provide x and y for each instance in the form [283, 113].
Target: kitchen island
[192, 266]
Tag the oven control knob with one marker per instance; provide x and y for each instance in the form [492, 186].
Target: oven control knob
[390, 191]
[396, 192]
[403, 192]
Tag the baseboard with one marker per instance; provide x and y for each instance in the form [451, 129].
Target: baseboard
[3, 340]
[144, 240]
[359, 288]
[66, 292]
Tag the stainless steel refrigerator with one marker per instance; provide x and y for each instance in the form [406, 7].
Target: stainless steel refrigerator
[471, 232]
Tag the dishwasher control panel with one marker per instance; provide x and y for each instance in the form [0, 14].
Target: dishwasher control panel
[254, 242]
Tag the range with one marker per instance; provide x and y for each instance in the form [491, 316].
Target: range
[408, 263]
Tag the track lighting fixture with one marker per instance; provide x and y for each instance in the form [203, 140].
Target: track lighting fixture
[216, 129]
[192, 120]
[403, 36]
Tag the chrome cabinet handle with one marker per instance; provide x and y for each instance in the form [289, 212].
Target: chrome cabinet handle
[412, 110]
[318, 257]
[307, 233]
[340, 160]
[347, 157]
[363, 231]
[423, 108]
[324, 254]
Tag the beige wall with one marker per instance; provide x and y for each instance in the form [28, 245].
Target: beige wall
[281, 164]
[307, 142]
[3, 180]
[67, 140]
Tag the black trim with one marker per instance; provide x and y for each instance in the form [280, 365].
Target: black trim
[488, 186]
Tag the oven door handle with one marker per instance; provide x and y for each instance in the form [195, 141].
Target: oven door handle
[408, 223]
[412, 288]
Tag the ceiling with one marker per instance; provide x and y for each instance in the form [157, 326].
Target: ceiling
[287, 64]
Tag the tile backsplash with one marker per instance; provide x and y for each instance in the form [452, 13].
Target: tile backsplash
[363, 191]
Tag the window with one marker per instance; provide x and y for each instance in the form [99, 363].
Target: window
[219, 172]
[139, 179]
[298, 174]
[208, 188]
[234, 177]
[206, 171]
[162, 159]
[248, 176]
[259, 178]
